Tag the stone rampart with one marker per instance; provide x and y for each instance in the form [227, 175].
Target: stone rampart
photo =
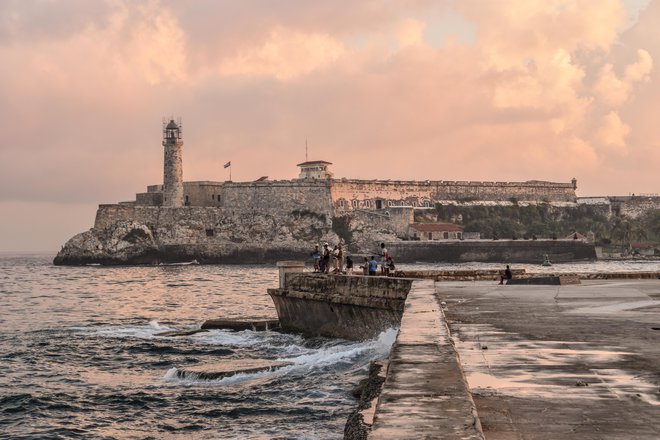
[634, 206]
[381, 194]
[205, 193]
[277, 197]
[396, 220]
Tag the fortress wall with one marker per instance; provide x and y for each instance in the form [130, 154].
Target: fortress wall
[108, 215]
[397, 221]
[278, 197]
[362, 194]
[504, 191]
[204, 193]
[149, 198]
[634, 206]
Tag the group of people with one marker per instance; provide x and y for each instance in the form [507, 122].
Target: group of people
[333, 261]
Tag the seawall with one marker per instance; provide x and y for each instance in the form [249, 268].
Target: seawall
[339, 306]
[491, 251]
[425, 394]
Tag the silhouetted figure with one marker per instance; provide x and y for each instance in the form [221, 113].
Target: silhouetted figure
[506, 275]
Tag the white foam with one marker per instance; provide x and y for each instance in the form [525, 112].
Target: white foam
[333, 354]
[138, 332]
[344, 353]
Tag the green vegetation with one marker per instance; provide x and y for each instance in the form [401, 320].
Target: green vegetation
[546, 221]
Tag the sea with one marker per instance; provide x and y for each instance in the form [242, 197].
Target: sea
[81, 354]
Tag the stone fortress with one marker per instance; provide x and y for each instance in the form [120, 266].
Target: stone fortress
[264, 220]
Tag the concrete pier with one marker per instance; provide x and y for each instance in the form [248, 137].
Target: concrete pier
[560, 362]
[525, 362]
[425, 395]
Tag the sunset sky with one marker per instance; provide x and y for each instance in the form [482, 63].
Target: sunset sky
[505, 90]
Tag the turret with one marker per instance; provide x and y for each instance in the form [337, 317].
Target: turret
[173, 164]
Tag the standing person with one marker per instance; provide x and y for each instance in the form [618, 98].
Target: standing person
[373, 266]
[335, 254]
[506, 275]
[340, 259]
[365, 266]
[316, 256]
[383, 258]
[349, 265]
[325, 259]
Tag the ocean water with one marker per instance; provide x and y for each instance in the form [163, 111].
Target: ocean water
[80, 357]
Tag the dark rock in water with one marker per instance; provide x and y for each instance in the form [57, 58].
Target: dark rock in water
[257, 325]
[180, 332]
[229, 368]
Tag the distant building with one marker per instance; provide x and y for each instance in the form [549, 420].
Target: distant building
[435, 231]
[576, 236]
[314, 169]
[643, 249]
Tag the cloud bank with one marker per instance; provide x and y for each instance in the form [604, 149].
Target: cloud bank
[413, 89]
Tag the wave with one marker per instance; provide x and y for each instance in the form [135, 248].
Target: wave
[333, 355]
[148, 331]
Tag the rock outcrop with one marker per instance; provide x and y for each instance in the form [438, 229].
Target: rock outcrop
[173, 238]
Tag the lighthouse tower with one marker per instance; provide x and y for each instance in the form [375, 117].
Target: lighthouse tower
[173, 167]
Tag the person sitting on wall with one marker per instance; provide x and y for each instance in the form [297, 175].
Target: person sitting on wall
[506, 275]
[390, 266]
[373, 266]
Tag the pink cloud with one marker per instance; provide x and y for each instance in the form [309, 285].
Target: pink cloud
[545, 90]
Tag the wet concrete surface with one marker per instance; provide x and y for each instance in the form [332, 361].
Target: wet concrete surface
[425, 395]
[560, 362]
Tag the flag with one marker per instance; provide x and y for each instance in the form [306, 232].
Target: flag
[228, 164]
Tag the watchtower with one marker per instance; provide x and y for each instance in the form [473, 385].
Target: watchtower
[173, 164]
[315, 169]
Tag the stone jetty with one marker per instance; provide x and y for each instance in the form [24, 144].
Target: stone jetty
[339, 306]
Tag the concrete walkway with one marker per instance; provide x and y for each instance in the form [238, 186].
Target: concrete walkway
[563, 362]
[425, 395]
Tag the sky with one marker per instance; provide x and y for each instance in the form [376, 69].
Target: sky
[487, 90]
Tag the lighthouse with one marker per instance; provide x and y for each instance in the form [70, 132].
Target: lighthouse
[173, 164]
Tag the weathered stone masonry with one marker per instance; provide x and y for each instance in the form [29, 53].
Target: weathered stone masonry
[214, 220]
